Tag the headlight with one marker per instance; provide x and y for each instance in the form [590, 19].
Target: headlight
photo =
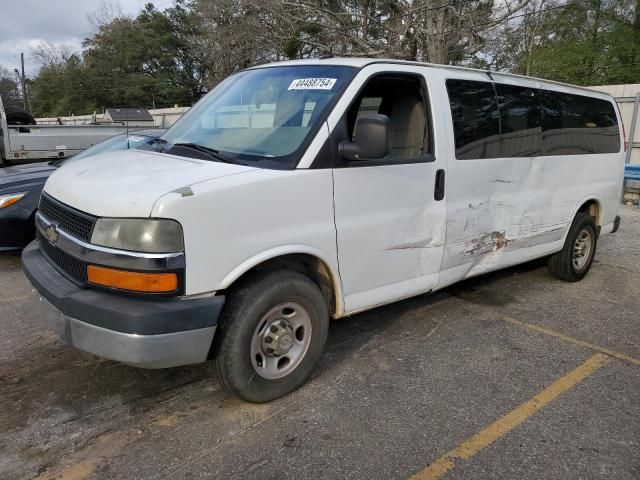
[10, 199]
[139, 235]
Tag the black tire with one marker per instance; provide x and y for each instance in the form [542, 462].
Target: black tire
[562, 265]
[243, 313]
[18, 116]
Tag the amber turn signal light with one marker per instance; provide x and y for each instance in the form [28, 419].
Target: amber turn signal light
[133, 281]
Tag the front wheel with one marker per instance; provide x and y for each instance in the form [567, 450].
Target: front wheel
[271, 335]
[573, 262]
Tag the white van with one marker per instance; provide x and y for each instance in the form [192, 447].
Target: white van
[300, 191]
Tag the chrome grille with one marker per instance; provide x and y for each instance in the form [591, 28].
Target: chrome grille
[72, 221]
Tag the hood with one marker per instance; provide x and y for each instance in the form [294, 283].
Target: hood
[24, 177]
[127, 183]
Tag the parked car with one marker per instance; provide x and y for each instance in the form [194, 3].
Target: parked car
[301, 191]
[21, 185]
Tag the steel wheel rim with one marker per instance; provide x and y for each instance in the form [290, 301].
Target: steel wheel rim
[287, 320]
[582, 249]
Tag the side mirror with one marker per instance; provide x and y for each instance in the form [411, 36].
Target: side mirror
[371, 139]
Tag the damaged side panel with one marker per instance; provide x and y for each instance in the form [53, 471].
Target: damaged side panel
[502, 211]
[489, 242]
[499, 211]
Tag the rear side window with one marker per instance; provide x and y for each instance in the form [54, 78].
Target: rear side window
[475, 115]
[515, 121]
[520, 121]
[578, 125]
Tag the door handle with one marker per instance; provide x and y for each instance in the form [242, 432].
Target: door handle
[438, 192]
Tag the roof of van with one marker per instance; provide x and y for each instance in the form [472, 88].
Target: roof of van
[360, 62]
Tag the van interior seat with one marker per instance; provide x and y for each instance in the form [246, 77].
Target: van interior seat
[408, 122]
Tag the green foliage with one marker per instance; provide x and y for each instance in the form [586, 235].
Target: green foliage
[585, 42]
[59, 88]
[9, 89]
[147, 61]
[593, 43]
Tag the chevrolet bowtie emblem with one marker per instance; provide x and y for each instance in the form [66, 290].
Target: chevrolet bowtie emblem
[52, 233]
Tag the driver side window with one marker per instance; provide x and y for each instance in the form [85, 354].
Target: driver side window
[403, 99]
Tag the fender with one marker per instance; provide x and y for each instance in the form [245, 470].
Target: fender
[575, 211]
[282, 250]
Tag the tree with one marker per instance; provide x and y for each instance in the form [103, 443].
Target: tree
[437, 31]
[174, 56]
[55, 89]
[152, 60]
[145, 61]
[237, 34]
[9, 88]
[587, 42]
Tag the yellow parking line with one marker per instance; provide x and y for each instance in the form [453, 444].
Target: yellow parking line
[575, 341]
[511, 420]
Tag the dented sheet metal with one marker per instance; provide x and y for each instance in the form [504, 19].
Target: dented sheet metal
[489, 242]
[498, 208]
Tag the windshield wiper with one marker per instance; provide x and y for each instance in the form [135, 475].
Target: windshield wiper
[211, 152]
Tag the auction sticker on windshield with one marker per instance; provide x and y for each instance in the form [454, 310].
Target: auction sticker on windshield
[312, 84]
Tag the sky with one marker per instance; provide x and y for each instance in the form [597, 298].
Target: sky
[27, 23]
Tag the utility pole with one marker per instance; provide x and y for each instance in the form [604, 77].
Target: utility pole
[24, 86]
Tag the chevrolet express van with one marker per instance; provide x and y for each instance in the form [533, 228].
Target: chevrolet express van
[301, 191]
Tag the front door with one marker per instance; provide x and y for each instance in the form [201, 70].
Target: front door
[390, 218]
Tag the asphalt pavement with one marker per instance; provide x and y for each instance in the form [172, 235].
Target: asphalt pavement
[512, 375]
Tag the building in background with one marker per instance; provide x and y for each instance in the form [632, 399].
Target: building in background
[138, 117]
[628, 99]
[161, 117]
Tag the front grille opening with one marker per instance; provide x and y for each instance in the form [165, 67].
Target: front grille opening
[74, 268]
[72, 221]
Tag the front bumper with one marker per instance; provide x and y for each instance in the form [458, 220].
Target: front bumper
[148, 333]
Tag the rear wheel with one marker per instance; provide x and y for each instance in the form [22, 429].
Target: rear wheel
[573, 262]
[271, 335]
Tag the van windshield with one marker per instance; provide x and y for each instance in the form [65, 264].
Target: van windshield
[265, 116]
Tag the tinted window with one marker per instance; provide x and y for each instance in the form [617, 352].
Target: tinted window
[578, 125]
[475, 119]
[520, 121]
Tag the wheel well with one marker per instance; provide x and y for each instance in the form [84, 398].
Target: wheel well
[306, 264]
[593, 209]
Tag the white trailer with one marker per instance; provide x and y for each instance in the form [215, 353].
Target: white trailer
[33, 143]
